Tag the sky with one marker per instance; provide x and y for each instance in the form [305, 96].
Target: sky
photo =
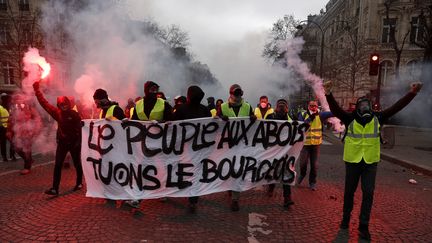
[228, 35]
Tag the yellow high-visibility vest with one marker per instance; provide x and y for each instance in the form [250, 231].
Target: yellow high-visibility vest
[229, 112]
[362, 142]
[157, 113]
[131, 111]
[4, 117]
[258, 113]
[314, 133]
[109, 114]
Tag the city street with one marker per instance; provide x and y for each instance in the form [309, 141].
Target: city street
[401, 211]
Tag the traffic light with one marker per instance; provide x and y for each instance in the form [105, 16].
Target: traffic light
[374, 64]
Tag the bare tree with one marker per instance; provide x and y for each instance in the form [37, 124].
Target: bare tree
[398, 48]
[348, 63]
[425, 32]
[282, 29]
[19, 30]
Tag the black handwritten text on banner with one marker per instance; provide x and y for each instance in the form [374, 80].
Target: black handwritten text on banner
[139, 160]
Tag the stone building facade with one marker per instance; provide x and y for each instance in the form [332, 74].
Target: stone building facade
[340, 40]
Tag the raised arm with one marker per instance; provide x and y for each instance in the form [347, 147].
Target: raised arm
[404, 101]
[52, 110]
[335, 109]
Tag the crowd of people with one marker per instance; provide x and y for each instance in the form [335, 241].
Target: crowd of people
[361, 149]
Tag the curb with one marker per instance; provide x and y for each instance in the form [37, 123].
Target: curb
[426, 170]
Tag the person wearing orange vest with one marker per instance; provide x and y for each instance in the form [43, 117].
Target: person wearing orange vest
[362, 151]
[263, 110]
[109, 109]
[310, 151]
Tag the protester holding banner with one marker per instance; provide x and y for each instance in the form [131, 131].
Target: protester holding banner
[152, 108]
[191, 110]
[281, 113]
[362, 151]
[310, 151]
[263, 110]
[219, 103]
[236, 107]
[68, 137]
[109, 109]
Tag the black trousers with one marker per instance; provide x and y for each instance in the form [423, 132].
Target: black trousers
[61, 152]
[309, 153]
[193, 200]
[3, 140]
[286, 189]
[27, 157]
[367, 173]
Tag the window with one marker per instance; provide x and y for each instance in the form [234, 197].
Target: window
[414, 69]
[24, 5]
[26, 37]
[386, 71]
[388, 34]
[4, 35]
[416, 34]
[3, 5]
[8, 73]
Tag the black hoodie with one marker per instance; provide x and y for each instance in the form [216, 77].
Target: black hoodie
[193, 107]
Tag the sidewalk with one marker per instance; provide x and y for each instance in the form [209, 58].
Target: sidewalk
[412, 147]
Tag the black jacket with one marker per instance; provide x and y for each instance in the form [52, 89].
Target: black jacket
[348, 117]
[193, 107]
[69, 122]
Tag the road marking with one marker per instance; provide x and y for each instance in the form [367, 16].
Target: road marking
[256, 225]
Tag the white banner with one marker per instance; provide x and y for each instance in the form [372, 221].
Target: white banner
[140, 160]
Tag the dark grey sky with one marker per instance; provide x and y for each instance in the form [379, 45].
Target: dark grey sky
[226, 34]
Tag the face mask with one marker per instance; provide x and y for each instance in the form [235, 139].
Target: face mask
[263, 105]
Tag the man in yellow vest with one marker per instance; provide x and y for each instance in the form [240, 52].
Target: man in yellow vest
[152, 108]
[263, 110]
[4, 117]
[109, 109]
[310, 151]
[362, 151]
[236, 107]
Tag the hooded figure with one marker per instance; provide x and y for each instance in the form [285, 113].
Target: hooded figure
[109, 109]
[151, 107]
[192, 109]
[68, 137]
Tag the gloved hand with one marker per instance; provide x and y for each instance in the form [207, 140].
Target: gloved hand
[225, 118]
[36, 85]
[108, 119]
[328, 87]
[252, 118]
[416, 87]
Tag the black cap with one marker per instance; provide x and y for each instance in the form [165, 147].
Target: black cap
[100, 94]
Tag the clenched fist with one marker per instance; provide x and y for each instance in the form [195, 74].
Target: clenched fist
[328, 85]
[416, 87]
